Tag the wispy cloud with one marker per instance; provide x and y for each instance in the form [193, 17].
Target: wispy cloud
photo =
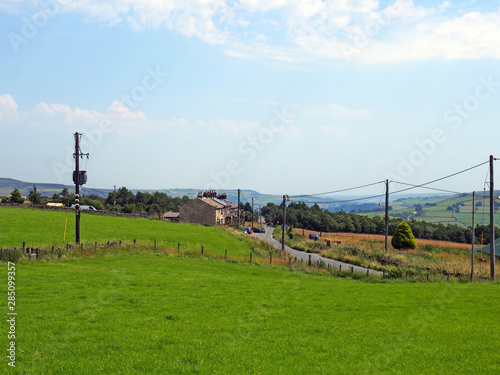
[304, 30]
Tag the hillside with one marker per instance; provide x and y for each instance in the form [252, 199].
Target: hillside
[456, 209]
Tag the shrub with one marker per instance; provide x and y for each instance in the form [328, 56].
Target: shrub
[403, 237]
[11, 255]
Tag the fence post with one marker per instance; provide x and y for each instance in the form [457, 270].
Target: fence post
[352, 269]
[134, 241]
[250, 257]
[290, 262]
[178, 246]
[367, 273]
[67, 246]
[24, 246]
[202, 249]
[95, 245]
[271, 258]
[225, 255]
[81, 246]
[310, 259]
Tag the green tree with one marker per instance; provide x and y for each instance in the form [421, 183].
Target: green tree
[34, 196]
[6, 199]
[403, 238]
[16, 197]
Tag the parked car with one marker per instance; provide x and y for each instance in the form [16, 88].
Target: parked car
[84, 207]
[313, 236]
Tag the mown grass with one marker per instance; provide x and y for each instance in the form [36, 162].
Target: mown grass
[41, 228]
[123, 314]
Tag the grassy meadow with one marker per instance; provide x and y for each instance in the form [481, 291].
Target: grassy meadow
[175, 314]
[44, 228]
[139, 310]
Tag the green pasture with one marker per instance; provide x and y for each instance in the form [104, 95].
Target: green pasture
[174, 314]
[39, 228]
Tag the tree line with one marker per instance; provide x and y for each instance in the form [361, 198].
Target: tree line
[123, 200]
[300, 215]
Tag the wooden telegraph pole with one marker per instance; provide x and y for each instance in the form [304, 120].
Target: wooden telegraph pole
[473, 234]
[77, 179]
[386, 214]
[284, 223]
[492, 221]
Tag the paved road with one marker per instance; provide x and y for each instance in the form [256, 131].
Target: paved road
[314, 257]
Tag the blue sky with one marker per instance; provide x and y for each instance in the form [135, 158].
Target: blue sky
[283, 97]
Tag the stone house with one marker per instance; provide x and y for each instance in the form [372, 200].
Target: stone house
[209, 208]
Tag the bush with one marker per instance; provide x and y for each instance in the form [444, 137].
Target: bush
[403, 237]
[11, 255]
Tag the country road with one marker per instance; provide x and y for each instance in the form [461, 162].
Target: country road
[314, 257]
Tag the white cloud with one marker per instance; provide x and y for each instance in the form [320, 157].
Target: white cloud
[336, 132]
[302, 30]
[191, 18]
[337, 111]
[8, 108]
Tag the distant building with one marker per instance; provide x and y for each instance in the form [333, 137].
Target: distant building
[172, 216]
[209, 208]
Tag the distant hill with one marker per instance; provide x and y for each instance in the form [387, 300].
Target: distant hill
[447, 209]
[46, 190]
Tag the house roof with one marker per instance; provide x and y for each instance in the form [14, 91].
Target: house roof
[218, 203]
[171, 215]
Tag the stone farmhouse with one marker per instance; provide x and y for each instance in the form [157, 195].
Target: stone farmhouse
[209, 208]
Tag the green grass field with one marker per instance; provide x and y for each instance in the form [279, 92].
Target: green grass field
[40, 228]
[181, 315]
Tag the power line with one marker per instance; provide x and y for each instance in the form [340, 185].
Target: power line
[335, 191]
[440, 179]
[349, 200]
[427, 187]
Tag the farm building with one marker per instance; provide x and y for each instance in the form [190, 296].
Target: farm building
[172, 216]
[209, 208]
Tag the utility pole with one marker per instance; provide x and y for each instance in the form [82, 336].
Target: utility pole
[76, 178]
[238, 208]
[386, 214]
[252, 213]
[492, 221]
[284, 224]
[114, 196]
[473, 234]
